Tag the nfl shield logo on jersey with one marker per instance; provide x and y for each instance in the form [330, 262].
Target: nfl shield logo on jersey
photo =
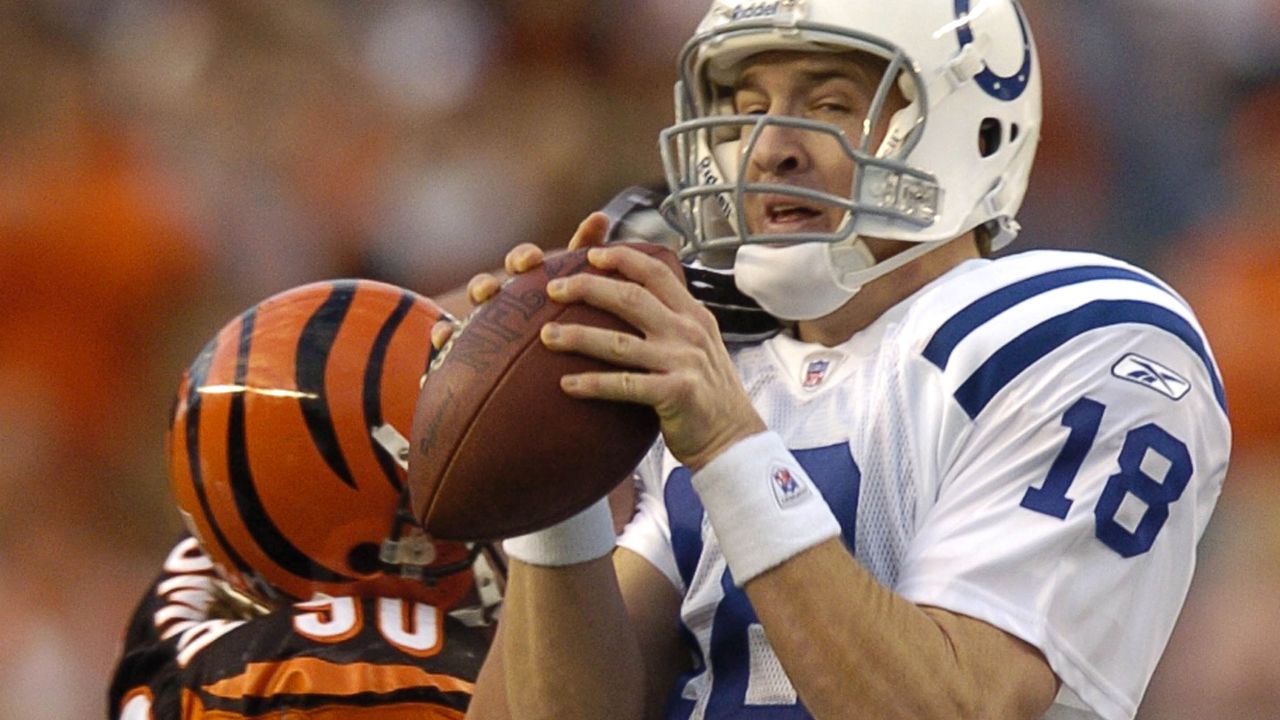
[818, 368]
[815, 372]
[787, 487]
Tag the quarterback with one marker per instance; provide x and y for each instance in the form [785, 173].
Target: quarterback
[948, 486]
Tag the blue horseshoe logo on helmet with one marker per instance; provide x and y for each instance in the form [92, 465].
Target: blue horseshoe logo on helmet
[997, 86]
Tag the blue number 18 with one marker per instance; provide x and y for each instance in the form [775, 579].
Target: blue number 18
[1083, 418]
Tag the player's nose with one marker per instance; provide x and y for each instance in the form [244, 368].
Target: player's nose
[778, 150]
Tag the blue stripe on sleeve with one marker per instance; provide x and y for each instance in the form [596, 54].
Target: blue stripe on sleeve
[1019, 354]
[956, 329]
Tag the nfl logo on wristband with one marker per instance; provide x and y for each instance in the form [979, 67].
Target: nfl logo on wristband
[788, 488]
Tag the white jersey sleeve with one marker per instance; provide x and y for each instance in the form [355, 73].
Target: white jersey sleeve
[1080, 451]
[649, 532]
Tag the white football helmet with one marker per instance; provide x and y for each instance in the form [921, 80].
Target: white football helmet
[956, 157]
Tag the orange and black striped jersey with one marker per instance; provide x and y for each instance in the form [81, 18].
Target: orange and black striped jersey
[327, 658]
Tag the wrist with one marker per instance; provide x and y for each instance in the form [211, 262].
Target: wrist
[586, 536]
[696, 461]
[763, 506]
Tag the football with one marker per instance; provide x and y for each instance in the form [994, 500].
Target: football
[497, 448]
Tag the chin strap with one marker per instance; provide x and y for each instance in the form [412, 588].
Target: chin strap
[490, 583]
[858, 278]
[235, 604]
[408, 550]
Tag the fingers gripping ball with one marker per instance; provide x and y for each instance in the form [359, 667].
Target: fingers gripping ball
[498, 449]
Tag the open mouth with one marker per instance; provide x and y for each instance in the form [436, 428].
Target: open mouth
[788, 214]
[783, 213]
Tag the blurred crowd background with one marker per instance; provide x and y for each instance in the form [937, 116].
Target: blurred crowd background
[164, 164]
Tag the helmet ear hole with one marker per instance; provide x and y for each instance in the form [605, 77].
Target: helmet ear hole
[990, 134]
[363, 559]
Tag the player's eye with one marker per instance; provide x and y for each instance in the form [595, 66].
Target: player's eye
[749, 104]
[833, 107]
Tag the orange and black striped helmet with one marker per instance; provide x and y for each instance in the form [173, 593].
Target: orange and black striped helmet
[286, 448]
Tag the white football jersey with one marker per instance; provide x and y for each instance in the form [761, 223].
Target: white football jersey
[1036, 441]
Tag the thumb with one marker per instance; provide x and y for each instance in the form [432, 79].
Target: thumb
[590, 232]
[441, 332]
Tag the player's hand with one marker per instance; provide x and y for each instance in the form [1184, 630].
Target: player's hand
[685, 372]
[522, 258]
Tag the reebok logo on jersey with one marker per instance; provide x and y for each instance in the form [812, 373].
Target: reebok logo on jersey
[1152, 374]
[788, 489]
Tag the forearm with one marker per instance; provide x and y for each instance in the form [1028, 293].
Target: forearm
[854, 648]
[567, 647]
[489, 700]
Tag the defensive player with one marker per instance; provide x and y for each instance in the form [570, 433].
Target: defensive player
[952, 487]
[306, 590]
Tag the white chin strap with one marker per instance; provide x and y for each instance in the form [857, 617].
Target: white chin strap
[798, 282]
[814, 279]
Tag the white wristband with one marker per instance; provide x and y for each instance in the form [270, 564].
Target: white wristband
[762, 505]
[585, 536]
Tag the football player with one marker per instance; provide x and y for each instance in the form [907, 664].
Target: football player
[306, 589]
[951, 487]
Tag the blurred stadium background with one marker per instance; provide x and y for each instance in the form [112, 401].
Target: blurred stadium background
[166, 163]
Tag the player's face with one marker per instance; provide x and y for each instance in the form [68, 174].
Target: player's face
[829, 87]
